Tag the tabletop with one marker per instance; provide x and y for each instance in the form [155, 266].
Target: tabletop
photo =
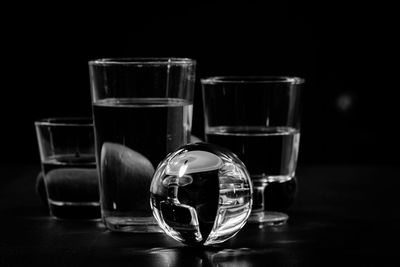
[343, 214]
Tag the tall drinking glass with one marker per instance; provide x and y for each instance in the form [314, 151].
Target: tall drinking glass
[258, 118]
[142, 109]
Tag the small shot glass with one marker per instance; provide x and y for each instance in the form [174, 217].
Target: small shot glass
[66, 147]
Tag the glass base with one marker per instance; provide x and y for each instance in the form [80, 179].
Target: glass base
[268, 218]
[63, 210]
[132, 224]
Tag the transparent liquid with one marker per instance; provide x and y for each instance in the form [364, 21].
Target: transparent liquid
[72, 186]
[270, 155]
[131, 133]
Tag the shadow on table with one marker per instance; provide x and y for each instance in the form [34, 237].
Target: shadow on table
[218, 256]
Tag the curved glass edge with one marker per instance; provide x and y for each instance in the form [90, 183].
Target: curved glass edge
[142, 61]
[252, 79]
[65, 121]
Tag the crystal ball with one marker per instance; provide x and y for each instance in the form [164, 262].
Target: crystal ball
[201, 194]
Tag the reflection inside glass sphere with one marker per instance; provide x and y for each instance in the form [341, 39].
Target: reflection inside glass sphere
[201, 194]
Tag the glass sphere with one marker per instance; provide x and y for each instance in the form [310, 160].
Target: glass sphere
[201, 194]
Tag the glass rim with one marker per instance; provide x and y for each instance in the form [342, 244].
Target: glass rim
[142, 61]
[252, 79]
[66, 121]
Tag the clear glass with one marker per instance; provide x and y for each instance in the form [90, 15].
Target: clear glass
[66, 147]
[258, 118]
[201, 194]
[142, 110]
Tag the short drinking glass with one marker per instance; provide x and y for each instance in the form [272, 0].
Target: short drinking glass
[66, 147]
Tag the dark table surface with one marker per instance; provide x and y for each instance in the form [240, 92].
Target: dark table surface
[343, 215]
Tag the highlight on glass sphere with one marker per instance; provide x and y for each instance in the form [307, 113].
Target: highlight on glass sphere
[201, 194]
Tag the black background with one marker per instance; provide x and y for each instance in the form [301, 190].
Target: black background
[346, 53]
